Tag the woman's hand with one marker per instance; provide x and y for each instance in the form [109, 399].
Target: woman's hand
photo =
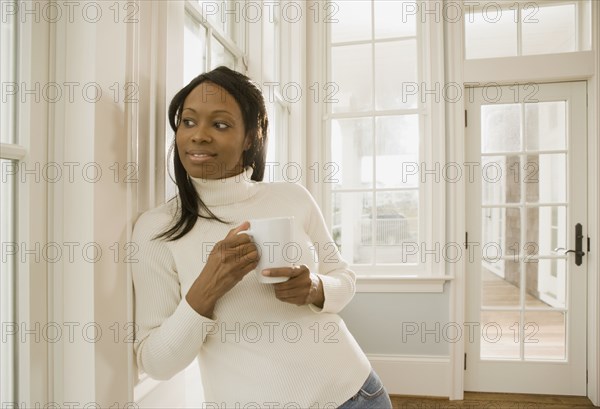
[228, 262]
[302, 288]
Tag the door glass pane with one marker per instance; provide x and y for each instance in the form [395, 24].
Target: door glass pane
[547, 226]
[352, 152]
[549, 277]
[501, 232]
[395, 74]
[352, 226]
[491, 32]
[500, 128]
[351, 68]
[544, 177]
[544, 335]
[7, 277]
[549, 29]
[353, 20]
[499, 179]
[496, 291]
[545, 126]
[194, 44]
[499, 334]
[397, 151]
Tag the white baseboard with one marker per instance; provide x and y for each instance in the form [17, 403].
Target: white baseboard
[413, 374]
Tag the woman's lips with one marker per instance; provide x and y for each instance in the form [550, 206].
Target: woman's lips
[199, 157]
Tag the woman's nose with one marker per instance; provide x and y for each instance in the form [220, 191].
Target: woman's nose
[201, 134]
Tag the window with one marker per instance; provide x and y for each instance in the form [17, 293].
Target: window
[380, 136]
[515, 28]
[10, 154]
[213, 36]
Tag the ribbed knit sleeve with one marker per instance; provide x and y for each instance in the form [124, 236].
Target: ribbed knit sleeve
[169, 333]
[339, 282]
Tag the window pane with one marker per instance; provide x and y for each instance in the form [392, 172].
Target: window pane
[351, 72]
[221, 56]
[491, 32]
[352, 151]
[194, 43]
[397, 151]
[352, 226]
[395, 69]
[501, 128]
[221, 14]
[353, 20]
[270, 52]
[7, 276]
[277, 156]
[8, 77]
[549, 29]
[397, 227]
[395, 18]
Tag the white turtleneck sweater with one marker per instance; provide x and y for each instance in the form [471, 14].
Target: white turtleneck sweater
[257, 351]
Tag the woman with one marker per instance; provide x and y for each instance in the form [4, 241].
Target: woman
[258, 345]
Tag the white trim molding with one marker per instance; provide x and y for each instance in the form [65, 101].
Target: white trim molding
[529, 68]
[401, 284]
[415, 375]
[455, 200]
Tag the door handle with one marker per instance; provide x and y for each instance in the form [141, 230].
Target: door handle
[579, 253]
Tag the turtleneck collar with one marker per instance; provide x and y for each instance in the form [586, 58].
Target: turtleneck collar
[220, 192]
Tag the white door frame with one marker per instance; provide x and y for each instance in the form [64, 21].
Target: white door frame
[532, 375]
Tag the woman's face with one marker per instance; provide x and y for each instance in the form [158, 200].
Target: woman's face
[211, 137]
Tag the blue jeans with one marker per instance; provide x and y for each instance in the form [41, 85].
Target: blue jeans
[372, 395]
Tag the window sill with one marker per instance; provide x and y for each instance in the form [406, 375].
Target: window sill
[401, 284]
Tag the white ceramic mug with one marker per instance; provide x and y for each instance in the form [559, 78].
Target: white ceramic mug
[272, 236]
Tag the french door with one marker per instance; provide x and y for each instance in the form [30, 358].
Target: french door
[527, 216]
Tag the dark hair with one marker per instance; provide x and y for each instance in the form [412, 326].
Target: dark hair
[252, 104]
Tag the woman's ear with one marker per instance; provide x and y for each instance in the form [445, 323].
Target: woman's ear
[248, 142]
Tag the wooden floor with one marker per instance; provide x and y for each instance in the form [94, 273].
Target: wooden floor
[477, 400]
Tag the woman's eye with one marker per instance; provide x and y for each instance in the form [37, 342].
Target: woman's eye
[188, 123]
[221, 125]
